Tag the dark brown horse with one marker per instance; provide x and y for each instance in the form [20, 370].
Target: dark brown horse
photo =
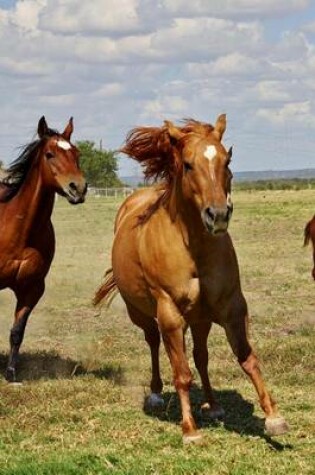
[27, 241]
[309, 235]
[174, 262]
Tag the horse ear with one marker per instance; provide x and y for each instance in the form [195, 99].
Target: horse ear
[173, 131]
[42, 127]
[220, 126]
[66, 134]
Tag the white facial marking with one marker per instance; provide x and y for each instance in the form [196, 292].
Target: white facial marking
[64, 144]
[210, 152]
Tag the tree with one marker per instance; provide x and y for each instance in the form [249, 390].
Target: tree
[99, 166]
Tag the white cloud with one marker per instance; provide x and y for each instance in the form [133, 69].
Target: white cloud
[26, 14]
[201, 38]
[108, 90]
[227, 8]
[295, 112]
[272, 91]
[230, 65]
[99, 16]
[164, 106]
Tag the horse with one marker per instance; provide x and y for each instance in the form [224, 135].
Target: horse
[174, 264]
[309, 235]
[47, 165]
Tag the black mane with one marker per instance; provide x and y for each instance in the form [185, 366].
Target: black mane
[17, 171]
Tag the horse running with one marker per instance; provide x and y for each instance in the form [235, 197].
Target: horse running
[27, 240]
[309, 235]
[174, 262]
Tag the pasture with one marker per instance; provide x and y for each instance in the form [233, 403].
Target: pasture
[85, 373]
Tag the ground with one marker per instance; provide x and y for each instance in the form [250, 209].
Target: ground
[86, 372]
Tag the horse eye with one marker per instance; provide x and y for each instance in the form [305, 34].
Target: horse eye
[49, 155]
[187, 166]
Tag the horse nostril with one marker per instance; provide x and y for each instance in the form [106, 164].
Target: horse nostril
[210, 213]
[73, 186]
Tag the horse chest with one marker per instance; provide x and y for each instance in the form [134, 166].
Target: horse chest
[31, 265]
[16, 269]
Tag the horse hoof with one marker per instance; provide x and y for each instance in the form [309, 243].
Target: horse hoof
[154, 402]
[276, 426]
[192, 439]
[213, 413]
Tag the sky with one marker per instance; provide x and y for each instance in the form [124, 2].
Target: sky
[116, 64]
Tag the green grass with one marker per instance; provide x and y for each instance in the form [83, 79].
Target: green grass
[86, 374]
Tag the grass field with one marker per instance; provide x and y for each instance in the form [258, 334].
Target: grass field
[85, 373]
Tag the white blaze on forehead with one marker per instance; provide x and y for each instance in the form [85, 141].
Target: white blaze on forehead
[64, 144]
[210, 152]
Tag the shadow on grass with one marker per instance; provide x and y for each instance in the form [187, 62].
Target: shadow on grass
[50, 365]
[239, 414]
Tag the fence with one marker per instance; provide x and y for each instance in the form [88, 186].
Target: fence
[111, 192]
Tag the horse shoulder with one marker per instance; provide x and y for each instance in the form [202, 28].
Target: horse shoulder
[136, 204]
[36, 258]
[166, 262]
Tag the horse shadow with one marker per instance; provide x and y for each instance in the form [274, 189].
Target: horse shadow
[239, 414]
[50, 365]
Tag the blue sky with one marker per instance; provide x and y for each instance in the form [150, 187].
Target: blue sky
[114, 64]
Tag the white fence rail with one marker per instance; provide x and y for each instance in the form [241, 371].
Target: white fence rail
[111, 192]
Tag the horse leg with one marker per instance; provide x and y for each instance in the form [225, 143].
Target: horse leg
[200, 332]
[236, 326]
[171, 326]
[153, 339]
[26, 301]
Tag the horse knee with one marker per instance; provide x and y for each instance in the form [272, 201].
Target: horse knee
[250, 363]
[183, 380]
[16, 336]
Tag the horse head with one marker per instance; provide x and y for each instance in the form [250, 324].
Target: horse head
[203, 164]
[60, 163]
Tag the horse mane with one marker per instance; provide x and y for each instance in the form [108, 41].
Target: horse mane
[15, 174]
[154, 149]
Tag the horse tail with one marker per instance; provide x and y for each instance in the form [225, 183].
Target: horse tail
[307, 233]
[107, 290]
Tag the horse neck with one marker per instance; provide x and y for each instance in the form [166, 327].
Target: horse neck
[31, 208]
[184, 213]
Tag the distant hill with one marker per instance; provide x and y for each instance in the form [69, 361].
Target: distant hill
[274, 175]
[246, 176]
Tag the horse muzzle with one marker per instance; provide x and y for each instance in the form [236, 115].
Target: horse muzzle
[75, 192]
[216, 220]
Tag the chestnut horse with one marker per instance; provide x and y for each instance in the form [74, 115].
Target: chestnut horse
[174, 262]
[27, 240]
[309, 235]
